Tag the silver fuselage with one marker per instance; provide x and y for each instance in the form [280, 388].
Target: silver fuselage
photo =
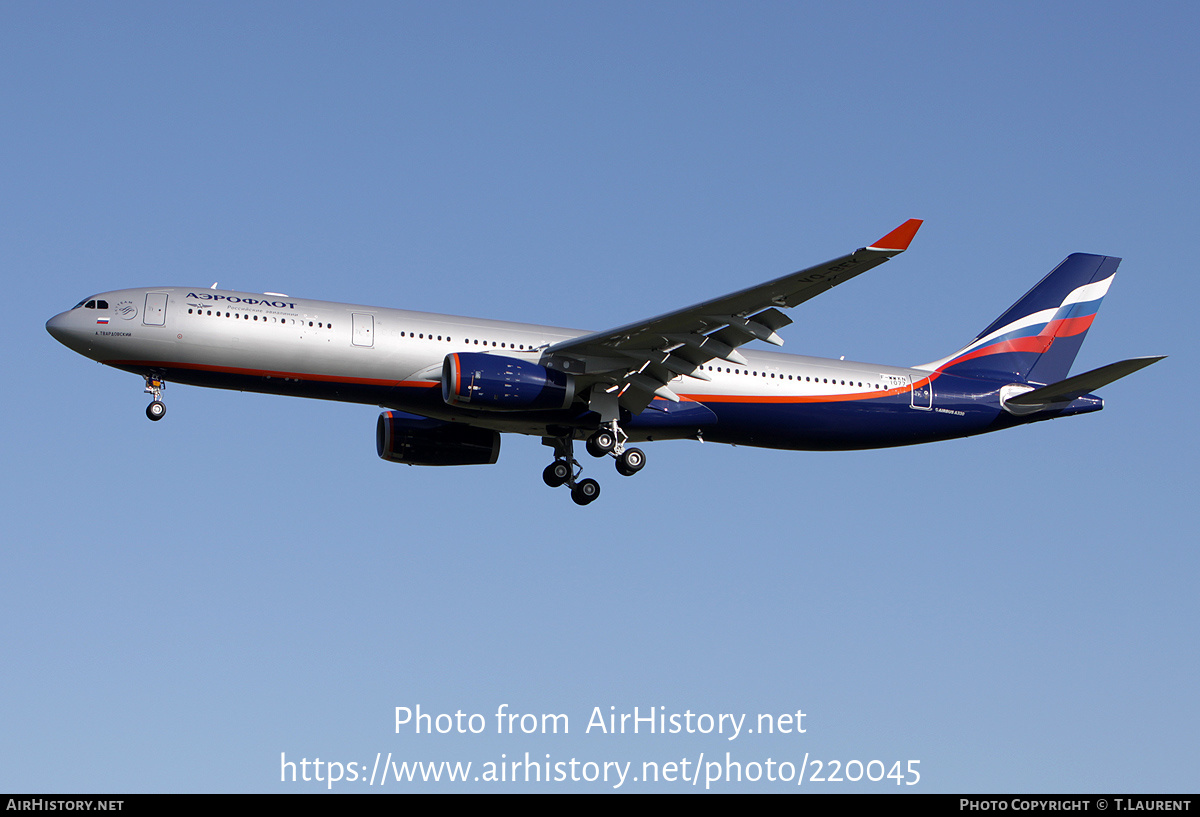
[393, 357]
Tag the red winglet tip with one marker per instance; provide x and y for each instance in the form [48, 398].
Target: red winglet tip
[899, 239]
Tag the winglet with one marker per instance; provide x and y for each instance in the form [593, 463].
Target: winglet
[898, 239]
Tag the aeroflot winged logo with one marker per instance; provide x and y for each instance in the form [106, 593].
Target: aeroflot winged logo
[233, 299]
[687, 374]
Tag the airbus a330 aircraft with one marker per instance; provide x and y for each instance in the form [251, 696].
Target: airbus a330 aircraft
[453, 385]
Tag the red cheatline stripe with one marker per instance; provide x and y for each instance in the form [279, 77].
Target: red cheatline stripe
[814, 398]
[699, 398]
[321, 378]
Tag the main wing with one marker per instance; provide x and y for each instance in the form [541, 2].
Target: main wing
[635, 362]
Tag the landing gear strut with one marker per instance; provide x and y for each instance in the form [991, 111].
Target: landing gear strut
[609, 440]
[154, 387]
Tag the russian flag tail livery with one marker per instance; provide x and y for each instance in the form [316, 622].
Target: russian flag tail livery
[1037, 339]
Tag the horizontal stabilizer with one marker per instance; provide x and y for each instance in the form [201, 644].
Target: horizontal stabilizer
[1064, 391]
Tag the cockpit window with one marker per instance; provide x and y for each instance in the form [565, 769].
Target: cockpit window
[92, 303]
[102, 304]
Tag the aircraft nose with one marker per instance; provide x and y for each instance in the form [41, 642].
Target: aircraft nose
[71, 330]
[57, 327]
[65, 329]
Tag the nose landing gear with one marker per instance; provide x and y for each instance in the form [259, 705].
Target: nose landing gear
[154, 387]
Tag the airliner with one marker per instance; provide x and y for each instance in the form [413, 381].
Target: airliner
[450, 386]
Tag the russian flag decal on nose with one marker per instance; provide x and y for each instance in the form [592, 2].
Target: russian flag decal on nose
[102, 321]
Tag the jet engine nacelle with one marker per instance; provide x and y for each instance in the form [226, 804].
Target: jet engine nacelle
[498, 383]
[414, 440]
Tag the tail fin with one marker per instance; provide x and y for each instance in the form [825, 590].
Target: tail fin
[1037, 339]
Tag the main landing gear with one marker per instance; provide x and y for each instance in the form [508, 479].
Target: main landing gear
[608, 441]
[565, 470]
[154, 386]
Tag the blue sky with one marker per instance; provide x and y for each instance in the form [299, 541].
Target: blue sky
[185, 601]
